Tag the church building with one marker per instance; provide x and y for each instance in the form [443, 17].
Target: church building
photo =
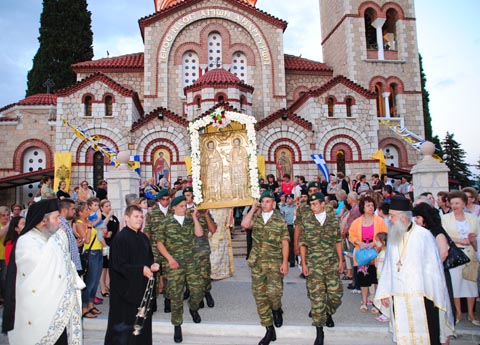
[203, 54]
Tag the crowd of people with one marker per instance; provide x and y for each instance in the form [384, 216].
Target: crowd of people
[323, 227]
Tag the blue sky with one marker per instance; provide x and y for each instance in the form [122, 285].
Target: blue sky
[448, 37]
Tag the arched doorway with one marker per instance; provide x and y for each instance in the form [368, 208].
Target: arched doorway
[340, 154]
[98, 163]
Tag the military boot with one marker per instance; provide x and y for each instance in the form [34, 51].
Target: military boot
[270, 335]
[177, 334]
[320, 336]
[209, 299]
[277, 317]
[329, 322]
[167, 307]
[195, 316]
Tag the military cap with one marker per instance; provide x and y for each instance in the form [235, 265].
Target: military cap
[314, 184]
[177, 200]
[316, 196]
[291, 195]
[162, 193]
[267, 194]
[188, 189]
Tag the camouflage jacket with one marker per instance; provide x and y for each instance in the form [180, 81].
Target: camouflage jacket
[153, 222]
[300, 212]
[267, 238]
[320, 240]
[202, 245]
[178, 239]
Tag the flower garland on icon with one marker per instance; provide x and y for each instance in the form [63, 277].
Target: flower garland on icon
[221, 119]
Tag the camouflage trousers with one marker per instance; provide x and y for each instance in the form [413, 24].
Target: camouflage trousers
[325, 291]
[163, 269]
[186, 273]
[205, 270]
[267, 288]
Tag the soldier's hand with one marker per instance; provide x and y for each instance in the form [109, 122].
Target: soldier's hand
[340, 267]
[284, 269]
[173, 264]
[147, 272]
[195, 213]
[305, 270]
[155, 267]
[255, 205]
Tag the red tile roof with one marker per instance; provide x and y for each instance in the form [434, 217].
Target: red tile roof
[120, 63]
[296, 63]
[284, 114]
[218, 77]
[39, 99]
[154, 114]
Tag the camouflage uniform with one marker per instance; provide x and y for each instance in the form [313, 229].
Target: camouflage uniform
[202, 251]
[153, 222]
[265, 260]
[180, 243]
[323, 283]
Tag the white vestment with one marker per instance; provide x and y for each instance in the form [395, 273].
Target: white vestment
[47, 291]
[421, 276]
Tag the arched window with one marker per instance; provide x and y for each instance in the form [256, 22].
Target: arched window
[214, 50]
[221, 99]
[380, 102]
[243, 101]
[239, 66]
[87, 106]
[34, 159]
[189, 68]
[340, 160]
[348, 105]
[389, 30]
[108, 106]
[330, 103]
[392, 100]
[370, 31]
[198, 102]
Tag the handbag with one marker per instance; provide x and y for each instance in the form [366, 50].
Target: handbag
[470, 271]
[456, 257]
[365, 255]
[84, 258]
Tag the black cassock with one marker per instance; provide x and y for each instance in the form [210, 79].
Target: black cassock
[129, 253]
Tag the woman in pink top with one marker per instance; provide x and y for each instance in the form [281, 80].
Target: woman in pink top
[362, 233]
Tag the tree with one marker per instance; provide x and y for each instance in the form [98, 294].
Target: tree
[455, 160]
[427, 119]
[65, 38]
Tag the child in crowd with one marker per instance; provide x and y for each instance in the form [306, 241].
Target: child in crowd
[96, 221]
[381, 246]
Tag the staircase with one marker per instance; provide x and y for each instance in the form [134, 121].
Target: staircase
[239, 242]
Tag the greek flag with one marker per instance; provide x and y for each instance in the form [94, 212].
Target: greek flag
[322, 165]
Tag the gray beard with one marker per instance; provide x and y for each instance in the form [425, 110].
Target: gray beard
[396, 232]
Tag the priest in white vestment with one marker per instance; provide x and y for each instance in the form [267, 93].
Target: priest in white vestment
[412, 284]
[47, 287]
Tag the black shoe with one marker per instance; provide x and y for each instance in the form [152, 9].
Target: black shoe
[186, 294]
[292, 264]
[167, 307]
[154, 305]
[351, 286]
[277, 317]
[329, 322]
[209, 299]
[177, 334]
[270, 335]
[302, 276]
[310, 314]
[195, 316]
[201, 305]
[320, 336]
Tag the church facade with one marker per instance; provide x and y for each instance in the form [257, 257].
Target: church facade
[202, 54]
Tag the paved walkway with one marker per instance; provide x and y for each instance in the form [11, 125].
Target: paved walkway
[234, 318]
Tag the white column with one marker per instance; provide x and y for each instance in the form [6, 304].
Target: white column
[378, 24]
[386, 103]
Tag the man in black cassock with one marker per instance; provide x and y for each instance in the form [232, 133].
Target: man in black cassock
[131, 265]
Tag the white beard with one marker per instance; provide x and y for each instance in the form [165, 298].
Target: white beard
[396, 232]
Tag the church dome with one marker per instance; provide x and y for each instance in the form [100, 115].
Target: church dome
[217, 77]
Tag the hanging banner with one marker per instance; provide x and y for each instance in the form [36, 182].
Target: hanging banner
[262, 170]
[411, 138]
[380, 157]
[63, 169]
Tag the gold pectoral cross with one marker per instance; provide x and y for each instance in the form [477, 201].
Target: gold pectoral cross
[399, 265]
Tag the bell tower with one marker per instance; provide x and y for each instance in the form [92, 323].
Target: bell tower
[374, 43]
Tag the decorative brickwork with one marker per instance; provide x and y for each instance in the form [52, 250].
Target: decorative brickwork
[29, 143]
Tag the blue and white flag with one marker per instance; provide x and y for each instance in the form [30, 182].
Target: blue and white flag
[322, 165]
